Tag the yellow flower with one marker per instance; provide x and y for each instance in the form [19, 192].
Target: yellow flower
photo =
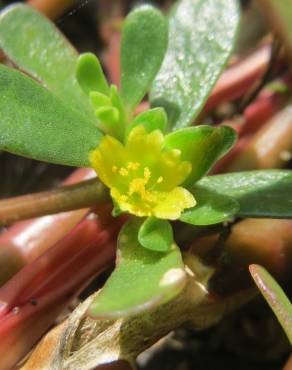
[143, 177]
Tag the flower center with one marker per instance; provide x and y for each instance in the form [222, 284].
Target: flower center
[143, 176]
[138, 180]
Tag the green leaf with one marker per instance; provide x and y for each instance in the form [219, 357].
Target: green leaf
[144, 43]
[266, 193]
[36, 124]
[275, 297]
[110, 112]
[202, 146]
[201, 38]
[152, 119]
[99, 100]
[142, 279]
[33, 43]
[156, 234]
[90, 75]
[212, 208]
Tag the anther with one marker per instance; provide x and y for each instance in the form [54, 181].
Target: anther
[133, 165]
[123, 171]
[147, 174]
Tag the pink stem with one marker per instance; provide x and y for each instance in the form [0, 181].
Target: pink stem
[26, 240]
[37, 294]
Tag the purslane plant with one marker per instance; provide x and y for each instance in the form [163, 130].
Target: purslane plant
[153, 164]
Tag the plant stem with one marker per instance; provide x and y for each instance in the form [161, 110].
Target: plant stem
[270, 147]
[66, 198]
[83, 343]
[52, 8]
[33, 298]
[26, 240]
[239, 78]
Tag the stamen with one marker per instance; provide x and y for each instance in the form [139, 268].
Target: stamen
[123, 171]
[133, 165]
[159, 180]
[147, 174]
[137, 186]
[114, 169]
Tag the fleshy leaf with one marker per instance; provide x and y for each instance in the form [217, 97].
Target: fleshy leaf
[265, 193]
[33, 43]
[144, 43]
[90, 75]
[156, 234]
[152, 119]
[275, 297]
[142, 279]
[36, 124]
[99, 100]
[211, 208]
[201, 37]
[202, 146]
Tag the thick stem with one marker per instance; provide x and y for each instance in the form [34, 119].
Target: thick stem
[83, 343]
[66, 198]
[270, 148]
[33, 298]
[239, 78]
[26, 240]
[52, 8]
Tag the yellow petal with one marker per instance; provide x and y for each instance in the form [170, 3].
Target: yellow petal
[173, 203]
[145, 147]
[107, 158]
[126, 204]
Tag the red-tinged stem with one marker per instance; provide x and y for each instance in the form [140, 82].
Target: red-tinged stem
[22, 328]
[221, 165]
[66, 258]
[39, 292]
[112, 58]
[258, 113]
[239, 78]
[61, 199]
[52, 8]
[254, 117]
[25, 241]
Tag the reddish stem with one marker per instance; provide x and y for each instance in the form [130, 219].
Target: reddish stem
[61, 199]
[37, 294]
[52, 8]
[239, 78]
[25, 241]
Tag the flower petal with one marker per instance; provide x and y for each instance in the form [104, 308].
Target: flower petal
[107, 158]
[172, 204]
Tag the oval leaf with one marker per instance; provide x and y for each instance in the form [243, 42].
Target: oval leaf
[201, 38]
[202, 146]
[142, 279]
[152, 119]
[36, 124]
[90, 75]
[156, 234]
[33, 43]
[211, 208]
[144, 43]
[275, 297]
[266, 193]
